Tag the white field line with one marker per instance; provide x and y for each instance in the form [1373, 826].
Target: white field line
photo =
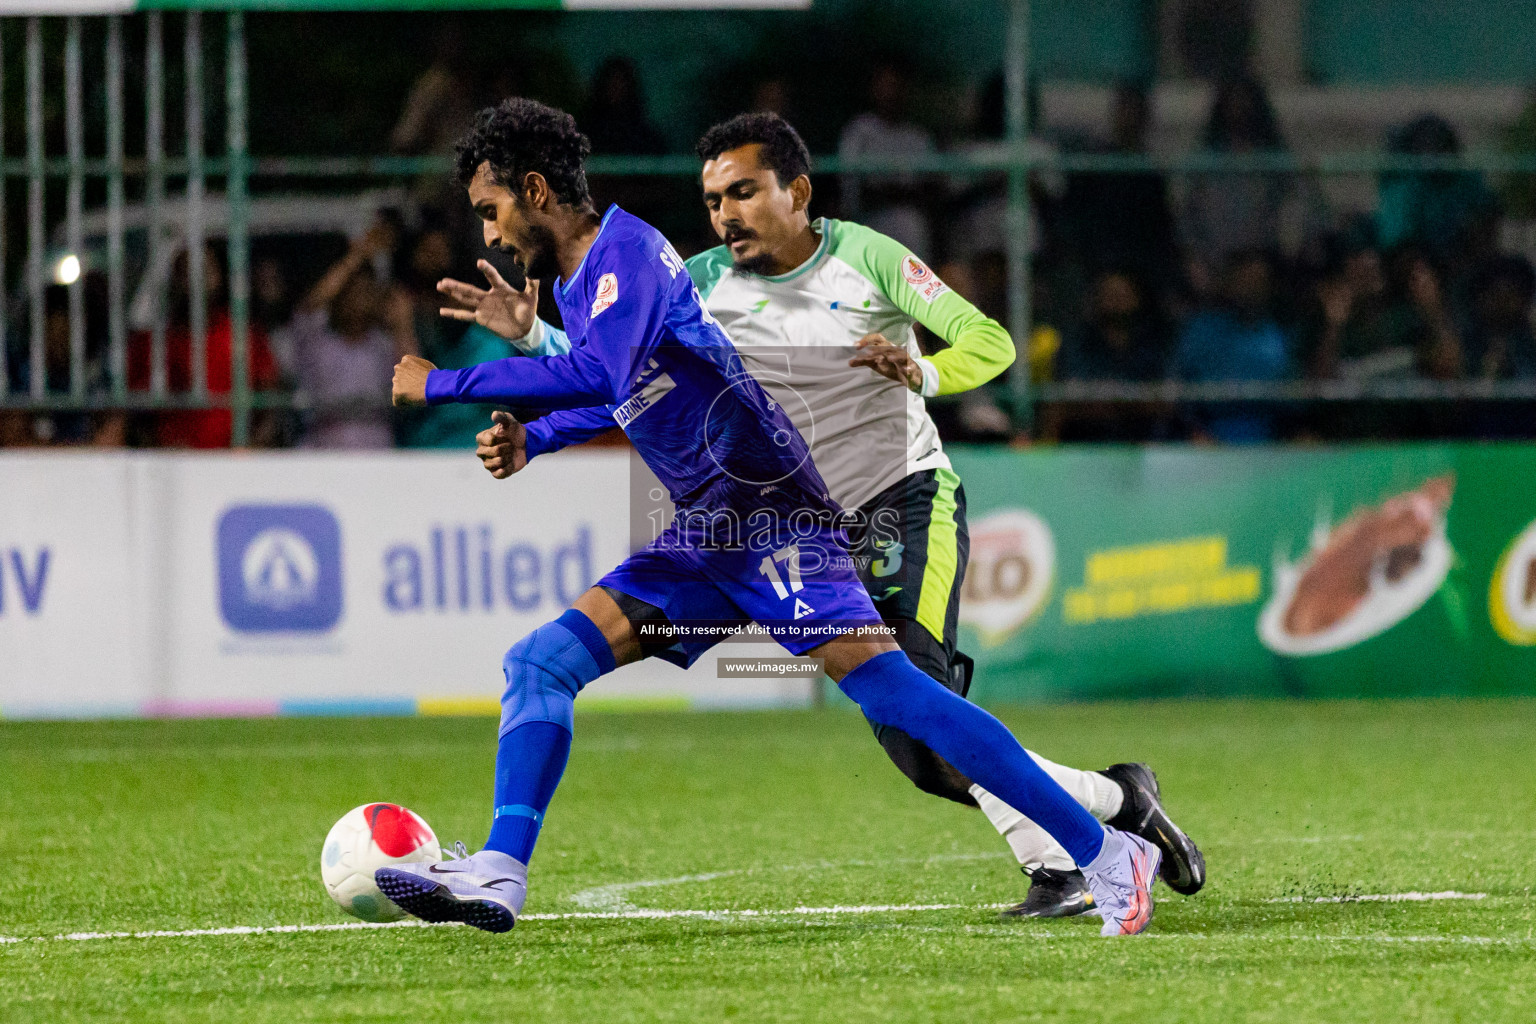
[191, 933]
[610, 898]
[795, 912]
[1386, 897]
[637, 914]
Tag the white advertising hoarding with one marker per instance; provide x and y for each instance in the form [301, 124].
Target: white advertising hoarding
[303, 582]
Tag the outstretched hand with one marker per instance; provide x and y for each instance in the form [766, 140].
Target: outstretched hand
[500, 308]
[503, 447]
[888, 360]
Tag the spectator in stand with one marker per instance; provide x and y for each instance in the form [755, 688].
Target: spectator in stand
[448, 344]
[978, 227]
[616, 122]
[615, 119]
[439, 108]
[20, 428]
[1358, 329]
[1424, 314]
[1121, 338]
[1444, 213]
[1236, 338]
[1124, 220]
[773, 95]
[272, 308]
[1500, 345]
[348, 333]
[198, 428]
[441, 103]
[1349, 330]
[892, 204]
[1230, 213]
[1519, 190]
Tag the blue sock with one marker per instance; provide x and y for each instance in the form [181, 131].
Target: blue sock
[545, 671]
[893, 691]
[529, 762]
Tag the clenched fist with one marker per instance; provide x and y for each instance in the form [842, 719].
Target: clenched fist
[410, 385]
[503, 448]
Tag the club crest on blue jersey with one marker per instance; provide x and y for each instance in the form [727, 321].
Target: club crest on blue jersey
[607, 294]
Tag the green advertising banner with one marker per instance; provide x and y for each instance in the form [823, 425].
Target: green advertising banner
[1326, 572]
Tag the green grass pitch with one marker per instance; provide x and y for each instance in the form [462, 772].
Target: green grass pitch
[137, 826]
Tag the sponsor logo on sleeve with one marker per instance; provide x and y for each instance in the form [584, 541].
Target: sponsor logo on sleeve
[607, 294]
[923, 280]
[653, 384]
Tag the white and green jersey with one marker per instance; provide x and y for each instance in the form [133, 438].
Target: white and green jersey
[797, 331]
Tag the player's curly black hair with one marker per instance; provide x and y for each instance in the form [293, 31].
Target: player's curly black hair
[519, 136]
[783, 149]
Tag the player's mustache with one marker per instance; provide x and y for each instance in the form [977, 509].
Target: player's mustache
[733, 235]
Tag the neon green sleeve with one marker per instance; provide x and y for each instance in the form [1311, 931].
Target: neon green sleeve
[707, 268]
[979, 347]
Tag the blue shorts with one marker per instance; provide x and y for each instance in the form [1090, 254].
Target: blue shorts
[795, 579]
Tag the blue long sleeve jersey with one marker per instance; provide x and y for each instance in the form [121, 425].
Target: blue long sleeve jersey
[645, 353]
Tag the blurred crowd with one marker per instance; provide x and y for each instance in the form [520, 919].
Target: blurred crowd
[1141, 277]
[1137, 277]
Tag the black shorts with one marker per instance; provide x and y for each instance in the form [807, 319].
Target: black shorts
[911, 546]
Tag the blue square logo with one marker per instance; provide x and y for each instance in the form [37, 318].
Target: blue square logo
[280, 568]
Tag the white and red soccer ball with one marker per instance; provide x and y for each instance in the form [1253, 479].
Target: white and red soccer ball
[368, 838]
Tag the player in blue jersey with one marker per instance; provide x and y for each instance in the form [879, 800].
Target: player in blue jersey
[755, 536]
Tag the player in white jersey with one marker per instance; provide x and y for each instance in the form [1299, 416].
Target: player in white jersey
[823, 316]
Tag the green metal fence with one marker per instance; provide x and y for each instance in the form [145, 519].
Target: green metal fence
[154, 172]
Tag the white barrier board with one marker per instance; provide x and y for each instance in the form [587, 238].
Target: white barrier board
[150, 583]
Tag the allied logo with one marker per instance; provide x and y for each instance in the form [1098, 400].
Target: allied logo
[279, 568]
[607, 294]
[923, 280]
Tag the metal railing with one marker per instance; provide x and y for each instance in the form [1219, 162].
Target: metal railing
[114, 166]
[153, 171]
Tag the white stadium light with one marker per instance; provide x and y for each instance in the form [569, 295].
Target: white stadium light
[67, 270]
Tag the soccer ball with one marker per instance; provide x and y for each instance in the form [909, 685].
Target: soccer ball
[365, 839]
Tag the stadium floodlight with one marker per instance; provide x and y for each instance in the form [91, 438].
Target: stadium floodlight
[67, 270]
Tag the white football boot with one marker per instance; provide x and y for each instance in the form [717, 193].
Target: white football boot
[1120, 879]
[486, 890]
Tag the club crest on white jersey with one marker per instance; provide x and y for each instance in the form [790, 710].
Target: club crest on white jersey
[607, 294]
[923, 280]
